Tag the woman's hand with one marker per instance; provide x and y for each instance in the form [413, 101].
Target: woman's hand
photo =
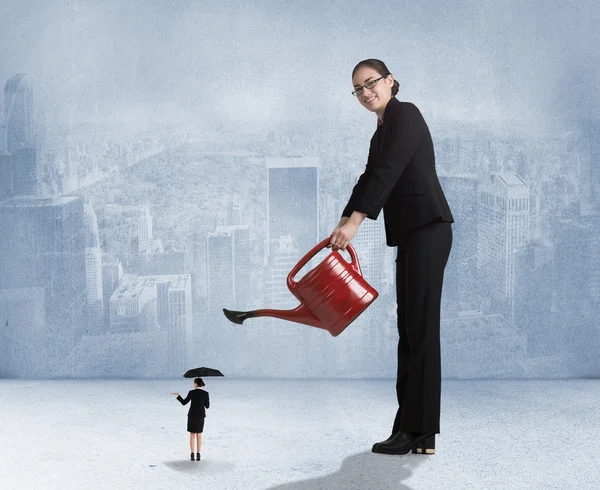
[174, 393]
[345, 230]
[341, 235]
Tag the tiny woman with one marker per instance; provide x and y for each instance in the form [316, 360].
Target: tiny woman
[196, 414]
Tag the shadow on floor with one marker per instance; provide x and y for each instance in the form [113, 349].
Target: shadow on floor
[208, 466]
[363, 471]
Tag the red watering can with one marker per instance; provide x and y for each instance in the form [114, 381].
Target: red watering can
[332, 295]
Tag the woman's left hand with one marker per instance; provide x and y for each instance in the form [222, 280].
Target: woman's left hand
[174, 393]
[341, 235]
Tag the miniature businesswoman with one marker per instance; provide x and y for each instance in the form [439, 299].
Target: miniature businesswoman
[196, 414]
[400, 178]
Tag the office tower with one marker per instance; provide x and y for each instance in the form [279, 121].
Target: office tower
[199, 260]
[292, 193]
[534, 284]
[42, 244]
[18, 113]
[594, 173]
[6, 185]
[228, 257]
[20, 144]
[25, 340]
[287, 348]
[174, 314]
[576, 286]
[93, 270]
[461, 270]
[503, 228]
[112, 276]
[3, 136]
[374, 257]
[133, 305]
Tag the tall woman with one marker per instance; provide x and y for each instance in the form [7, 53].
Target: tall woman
[400, 178]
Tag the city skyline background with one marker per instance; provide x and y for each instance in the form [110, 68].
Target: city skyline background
[161, 162]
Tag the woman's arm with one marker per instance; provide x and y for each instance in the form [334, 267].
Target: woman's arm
[206, 401]
[181, 400]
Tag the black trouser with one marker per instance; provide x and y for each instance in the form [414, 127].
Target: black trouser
[420, 263]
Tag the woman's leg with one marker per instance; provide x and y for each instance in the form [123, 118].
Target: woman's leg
[403, 345]
[192, 438]
[198, 441]
[427, 253]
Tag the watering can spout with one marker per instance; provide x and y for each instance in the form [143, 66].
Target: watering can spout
[332, 295]
[237, 316]
[300, 314]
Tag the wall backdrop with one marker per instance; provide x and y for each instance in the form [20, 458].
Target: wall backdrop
[162, 160]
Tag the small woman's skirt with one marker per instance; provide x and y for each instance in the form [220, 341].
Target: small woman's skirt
[195, 424]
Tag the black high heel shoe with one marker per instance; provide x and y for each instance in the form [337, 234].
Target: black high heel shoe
[197, 456]
[425, 446]
[191, 456]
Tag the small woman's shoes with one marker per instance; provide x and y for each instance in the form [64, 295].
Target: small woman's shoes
[425, 446]
[197, 456]
[191, 456]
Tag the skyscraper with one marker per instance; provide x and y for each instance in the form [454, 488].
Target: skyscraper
[20, 143]
[594, 173]
[93, 270]
[293, 203]
[503, 229]
[459, 277]
[18, 113]
[42, 244]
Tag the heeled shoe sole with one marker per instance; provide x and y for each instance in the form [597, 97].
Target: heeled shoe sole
[418, 450]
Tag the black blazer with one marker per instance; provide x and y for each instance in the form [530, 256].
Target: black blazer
[199, 400]
[400, 175]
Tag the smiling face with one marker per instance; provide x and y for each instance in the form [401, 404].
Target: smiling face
[375, 98]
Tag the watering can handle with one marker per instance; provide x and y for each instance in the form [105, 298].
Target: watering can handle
[311, 253]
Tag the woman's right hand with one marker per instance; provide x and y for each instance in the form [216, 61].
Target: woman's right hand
[342, 222]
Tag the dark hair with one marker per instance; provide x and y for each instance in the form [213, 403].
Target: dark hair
[199, 382]
[379, 67]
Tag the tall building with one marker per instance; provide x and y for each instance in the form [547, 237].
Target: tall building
[6, 185]
[594, 174]
[20, 143]
[576, 287]
[42, 245]
[534, 283]
[287, 347]
[461, 271]
[18, 113]
[503, 228]
[112, 276]
[133, 305]
[229, 268]
[93, 271]
[174, 313]
[293, 202]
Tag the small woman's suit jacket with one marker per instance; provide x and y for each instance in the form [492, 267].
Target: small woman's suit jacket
[200, 401]
[400, 175]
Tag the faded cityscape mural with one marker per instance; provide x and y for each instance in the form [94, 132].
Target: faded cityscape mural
[160, 161]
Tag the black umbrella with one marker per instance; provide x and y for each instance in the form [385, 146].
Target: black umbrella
[202, 371]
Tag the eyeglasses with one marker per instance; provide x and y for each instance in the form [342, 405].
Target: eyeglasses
[369, 84]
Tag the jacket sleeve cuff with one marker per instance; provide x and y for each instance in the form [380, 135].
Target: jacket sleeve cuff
[369, 208]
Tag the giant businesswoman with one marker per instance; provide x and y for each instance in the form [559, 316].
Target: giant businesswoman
[400, 178]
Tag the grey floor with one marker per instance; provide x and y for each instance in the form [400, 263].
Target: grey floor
[295, 434]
